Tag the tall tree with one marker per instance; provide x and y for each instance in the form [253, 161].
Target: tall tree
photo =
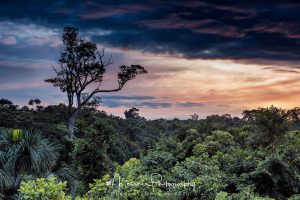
[81, 72]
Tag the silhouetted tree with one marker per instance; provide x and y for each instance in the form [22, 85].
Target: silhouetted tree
[5, 103]
[132, 113]
[294, 114]
[81, 73]
[35, 102]
[195, 117]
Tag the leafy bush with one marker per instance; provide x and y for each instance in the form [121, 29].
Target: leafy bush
[42, 188]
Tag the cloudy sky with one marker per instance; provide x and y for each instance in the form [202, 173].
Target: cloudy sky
[202, 57]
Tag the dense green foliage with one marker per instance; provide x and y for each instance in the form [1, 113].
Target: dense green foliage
[219, 157]
[43, 189]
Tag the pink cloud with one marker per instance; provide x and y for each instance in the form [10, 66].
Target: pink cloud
[9, 40]
[107, 11]
[288, 29]
[224, 30]
[175, 21]
[238, 10]
[208, 26]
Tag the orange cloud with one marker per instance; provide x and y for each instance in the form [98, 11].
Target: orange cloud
[223, 86]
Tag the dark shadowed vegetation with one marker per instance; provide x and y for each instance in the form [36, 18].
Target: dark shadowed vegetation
[253, 157]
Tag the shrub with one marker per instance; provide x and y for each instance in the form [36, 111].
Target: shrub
[42, 188]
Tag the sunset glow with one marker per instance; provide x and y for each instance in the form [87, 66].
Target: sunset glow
[197, 63]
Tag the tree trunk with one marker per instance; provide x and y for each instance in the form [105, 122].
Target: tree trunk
[71, 123]
[71, 126]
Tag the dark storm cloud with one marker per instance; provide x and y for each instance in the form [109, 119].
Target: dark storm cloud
[192, 29]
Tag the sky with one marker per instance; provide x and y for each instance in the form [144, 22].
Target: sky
[203, 57]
